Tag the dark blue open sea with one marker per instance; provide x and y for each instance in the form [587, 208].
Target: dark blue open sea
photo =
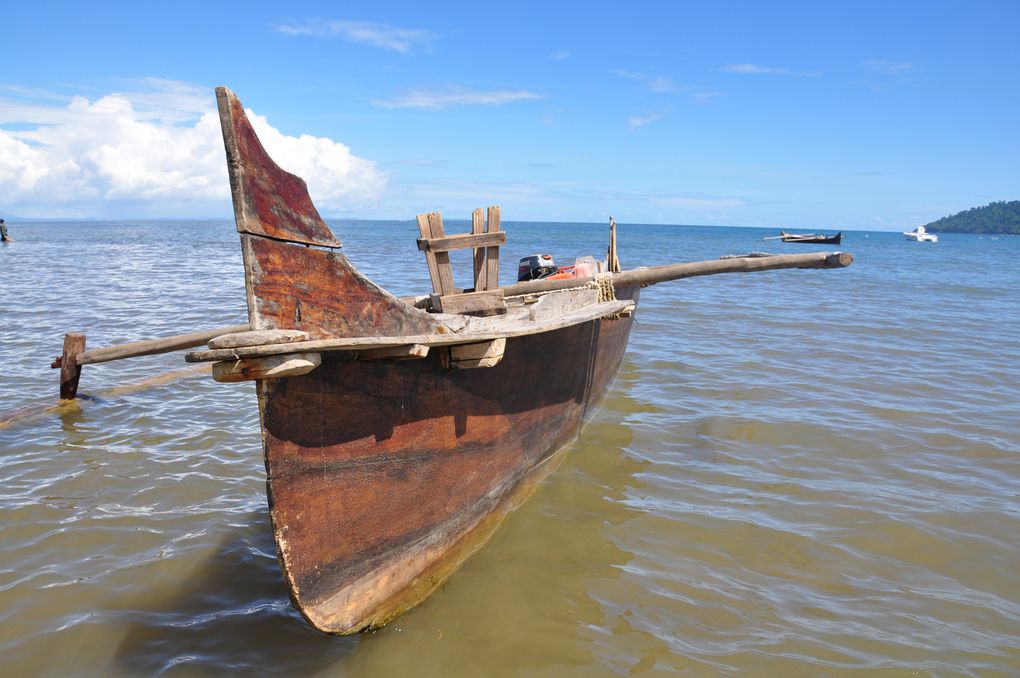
[796, 473]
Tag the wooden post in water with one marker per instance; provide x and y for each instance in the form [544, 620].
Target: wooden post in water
[612, 260]
[70, 370]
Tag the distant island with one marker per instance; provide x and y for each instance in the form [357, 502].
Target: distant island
[997, 218]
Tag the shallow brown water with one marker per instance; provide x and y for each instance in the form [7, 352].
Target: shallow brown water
[795, 474]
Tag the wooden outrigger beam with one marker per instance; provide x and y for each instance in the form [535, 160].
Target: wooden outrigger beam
[658, 274]
[75, 355]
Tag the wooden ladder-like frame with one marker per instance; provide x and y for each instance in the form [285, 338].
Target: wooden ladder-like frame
[485, 238]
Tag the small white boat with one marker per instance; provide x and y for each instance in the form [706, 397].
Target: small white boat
[921, 235]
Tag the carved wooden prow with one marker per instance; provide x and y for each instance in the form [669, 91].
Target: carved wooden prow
[485, 239]
[290, 285]
[268, 201]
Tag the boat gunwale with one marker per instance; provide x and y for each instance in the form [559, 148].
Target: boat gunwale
[516, 327]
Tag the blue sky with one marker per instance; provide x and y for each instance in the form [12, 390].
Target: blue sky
[867, 115]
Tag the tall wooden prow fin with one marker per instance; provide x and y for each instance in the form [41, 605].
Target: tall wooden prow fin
[268, 200]
[291, 286]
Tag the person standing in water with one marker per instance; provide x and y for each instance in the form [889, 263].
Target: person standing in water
[3, 231]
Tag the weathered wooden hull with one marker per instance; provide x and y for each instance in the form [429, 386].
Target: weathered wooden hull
[384, 476]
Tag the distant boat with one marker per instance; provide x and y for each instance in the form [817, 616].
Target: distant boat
[921, 235]
[815, 238]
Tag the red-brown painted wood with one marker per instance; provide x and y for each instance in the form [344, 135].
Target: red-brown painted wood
[383, 476]
[371, 464]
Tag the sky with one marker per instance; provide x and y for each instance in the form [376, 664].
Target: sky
[804, 115]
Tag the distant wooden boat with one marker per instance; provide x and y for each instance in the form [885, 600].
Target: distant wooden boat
[813, 238]
[398, 432]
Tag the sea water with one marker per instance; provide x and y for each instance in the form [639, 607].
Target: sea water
[796, 473]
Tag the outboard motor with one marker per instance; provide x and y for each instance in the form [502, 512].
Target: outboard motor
[536, 266]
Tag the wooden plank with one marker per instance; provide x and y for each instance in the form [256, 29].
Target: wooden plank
[510, 328]
[154, 346]
[70, 369]
[270, 367]
[431, 226]
[425, 228]
[492, 253]
[442, 258]
[258, 338]
[407, 352]
[482, 354]
[478, 227]
[489, 301]
[461, 241]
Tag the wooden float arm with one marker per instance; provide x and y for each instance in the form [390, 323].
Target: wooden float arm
[135, 349]
[657, 274]
[75, 355]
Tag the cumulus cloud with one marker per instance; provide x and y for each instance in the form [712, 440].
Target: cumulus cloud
[448, 97]
[382, 35]
[155, 151]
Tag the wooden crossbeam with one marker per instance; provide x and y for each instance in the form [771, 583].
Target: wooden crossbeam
[488, 302]
[461, 242]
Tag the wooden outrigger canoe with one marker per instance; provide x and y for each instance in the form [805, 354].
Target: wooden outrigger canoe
[397, 433]
[809, 238]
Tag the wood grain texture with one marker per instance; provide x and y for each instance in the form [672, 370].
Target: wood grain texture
[382, 476]
[431, 226]
[492, 253]
[70, 368]
[461, 241]
[490, 301]
[268, 201]
[319, 292]
[478, 256]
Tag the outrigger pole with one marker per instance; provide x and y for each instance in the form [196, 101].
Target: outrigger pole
[75, 355]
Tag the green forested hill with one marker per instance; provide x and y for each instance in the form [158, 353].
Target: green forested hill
[996, 217]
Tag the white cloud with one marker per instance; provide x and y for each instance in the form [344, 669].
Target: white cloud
[757, 69]
[337, 180]
[157, 151]
[699, 202]
[403, 40]
[636, 121]
[655, 83]
[560, 55]
[706, 95]
[887, 67]
[451, 96]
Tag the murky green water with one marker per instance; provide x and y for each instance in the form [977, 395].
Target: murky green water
[796, 474]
